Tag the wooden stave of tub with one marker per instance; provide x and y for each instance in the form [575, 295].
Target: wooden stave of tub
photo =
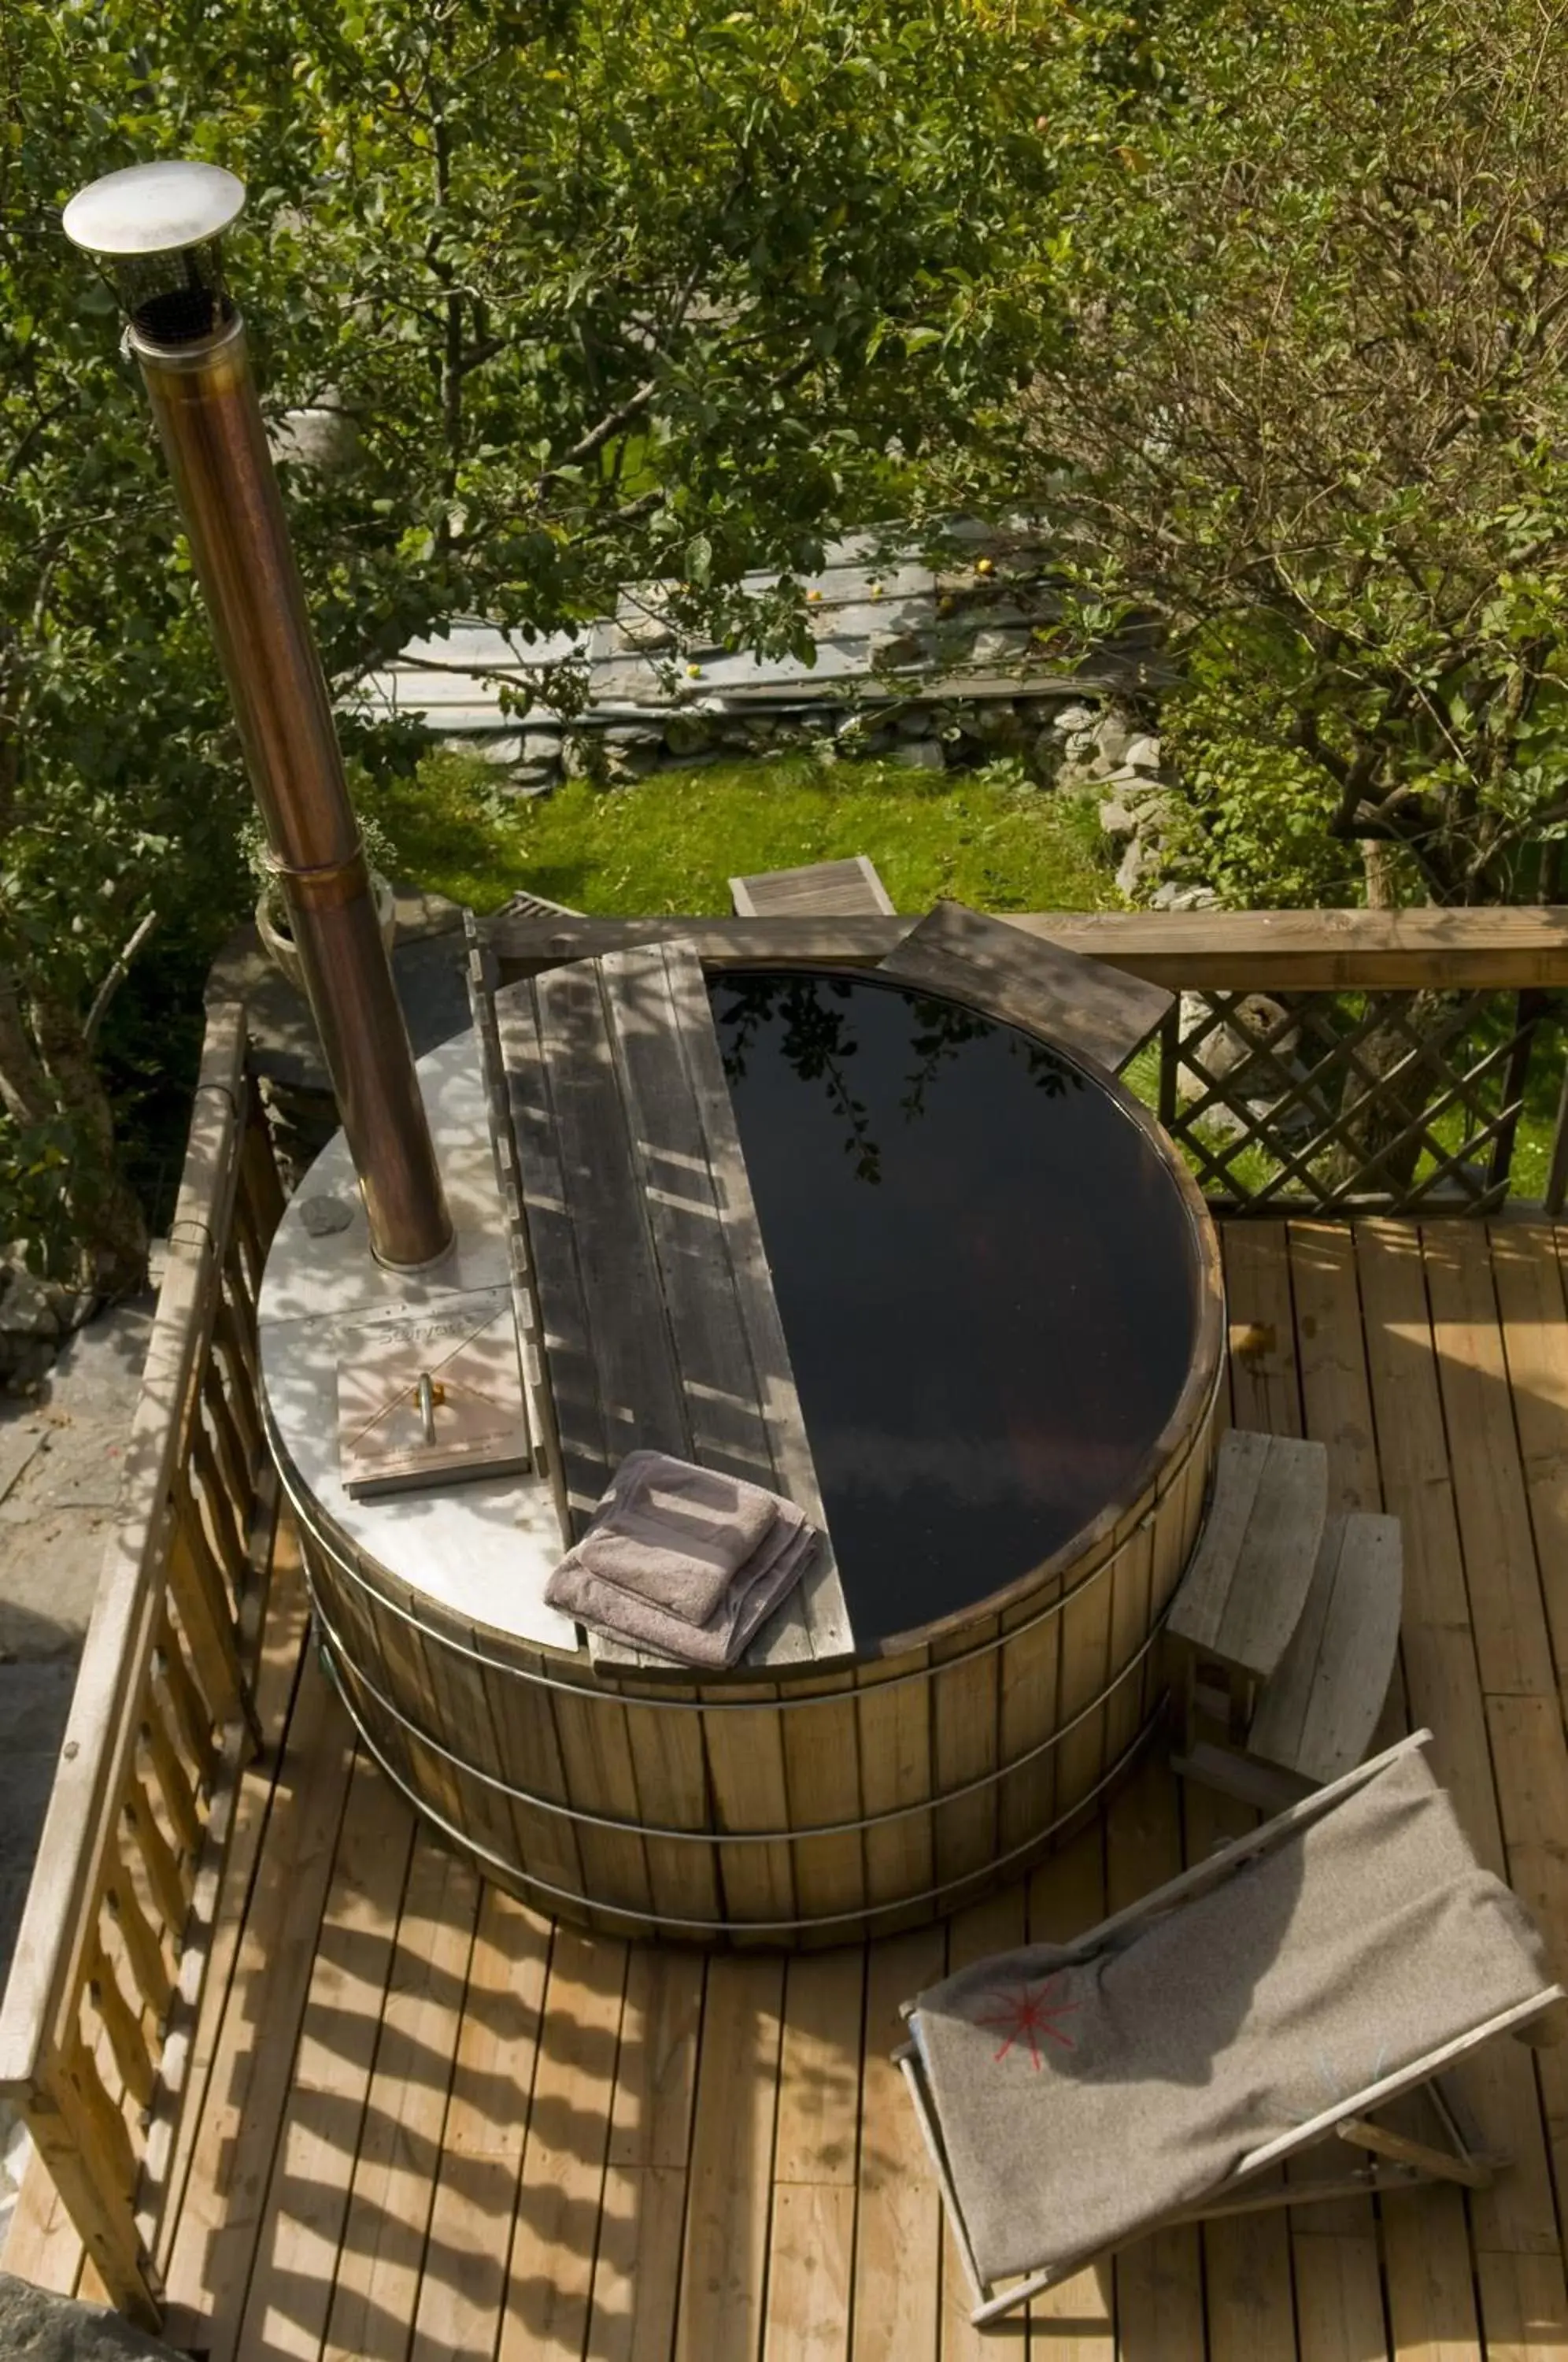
[814, 1807]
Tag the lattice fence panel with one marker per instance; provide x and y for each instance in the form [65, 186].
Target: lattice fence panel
[1375, 1103]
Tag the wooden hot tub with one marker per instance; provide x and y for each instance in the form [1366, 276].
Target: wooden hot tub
[1000, 1293]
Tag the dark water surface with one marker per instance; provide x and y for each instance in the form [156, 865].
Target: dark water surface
[987, 1276]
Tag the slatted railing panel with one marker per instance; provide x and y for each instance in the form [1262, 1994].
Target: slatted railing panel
[1372, 1102]
[95, 2017]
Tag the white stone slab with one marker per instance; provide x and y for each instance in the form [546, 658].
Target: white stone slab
[309, 1275]
[483, 1549]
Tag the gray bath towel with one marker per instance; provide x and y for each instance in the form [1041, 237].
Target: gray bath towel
[675, 1534]
[757, 1587]
[1079, 2098]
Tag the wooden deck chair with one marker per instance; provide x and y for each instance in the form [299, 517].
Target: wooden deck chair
[1076, 2096]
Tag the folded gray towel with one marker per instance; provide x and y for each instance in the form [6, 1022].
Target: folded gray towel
[676, 1535]
[753, 1593]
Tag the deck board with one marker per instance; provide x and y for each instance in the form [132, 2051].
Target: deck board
[427, 2124]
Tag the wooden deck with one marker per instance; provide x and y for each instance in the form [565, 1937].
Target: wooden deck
[426, 2125]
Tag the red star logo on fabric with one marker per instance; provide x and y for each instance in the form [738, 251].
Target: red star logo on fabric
[1028, 2012]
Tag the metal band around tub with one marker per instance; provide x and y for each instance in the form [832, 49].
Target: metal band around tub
[930, 1894]
[338, 1653]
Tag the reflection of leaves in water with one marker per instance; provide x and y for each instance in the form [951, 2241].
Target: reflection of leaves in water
[816, 1043]
[943, 1027]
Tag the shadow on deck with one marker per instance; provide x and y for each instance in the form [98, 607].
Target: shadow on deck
[425, 2123]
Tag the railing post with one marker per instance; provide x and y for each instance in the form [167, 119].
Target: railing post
[1529, 1011]
[70, 2146]
[1170, 1063]
[1557, 1170]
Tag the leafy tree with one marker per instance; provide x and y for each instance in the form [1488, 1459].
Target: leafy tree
[602, 293]
[112, 789]
[1304, 402]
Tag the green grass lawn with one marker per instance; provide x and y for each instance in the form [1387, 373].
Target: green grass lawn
[673, 842]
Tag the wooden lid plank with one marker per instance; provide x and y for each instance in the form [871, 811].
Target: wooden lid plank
[659, 1322]
[1082, 1004]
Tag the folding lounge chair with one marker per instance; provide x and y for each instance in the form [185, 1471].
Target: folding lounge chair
[1076, 2096]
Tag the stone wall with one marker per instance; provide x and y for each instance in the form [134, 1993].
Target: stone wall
[1060, 737]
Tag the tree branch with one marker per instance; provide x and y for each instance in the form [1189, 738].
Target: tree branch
[115, 977]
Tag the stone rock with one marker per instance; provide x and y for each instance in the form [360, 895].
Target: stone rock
[1135, 864]
[1084, 757]
[1070, 720]
[630, 750]
[510, 749]
[37, 2327]
[646, 633]
[36, 1316]
[918, 722]
[581, 757]
[1225, 1049]
[998, 646]
[1260, 1066]
[745, 737]
[323, 1214]
[1117, 820]
[1132, 786]
[1111, 737]
[531, 778]
[1173, 896]
[29, 1306]
[1147, 805]
[1142, 754]
[857, 741]
[501, 750]
[992, 724]
[688, 734]
[918, 755]
[624, 764]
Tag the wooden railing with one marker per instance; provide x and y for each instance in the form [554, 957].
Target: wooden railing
[1329, 1061]
[98, 2010]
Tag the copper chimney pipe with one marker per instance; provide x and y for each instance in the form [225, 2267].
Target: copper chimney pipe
[159, 225]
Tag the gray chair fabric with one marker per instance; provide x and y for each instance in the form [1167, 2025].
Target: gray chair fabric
[1079, 2100]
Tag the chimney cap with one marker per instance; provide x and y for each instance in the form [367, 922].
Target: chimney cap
[153, 208]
